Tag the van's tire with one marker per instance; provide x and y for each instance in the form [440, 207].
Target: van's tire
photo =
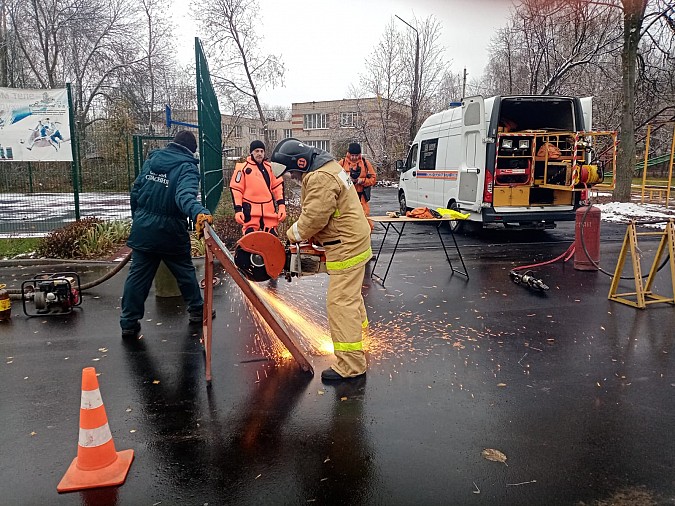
[465, 227]
[403, 204]
[457, 226]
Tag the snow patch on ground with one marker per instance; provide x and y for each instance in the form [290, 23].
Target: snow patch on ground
[623, 212]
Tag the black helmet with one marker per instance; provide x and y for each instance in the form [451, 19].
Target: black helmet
[291, 154]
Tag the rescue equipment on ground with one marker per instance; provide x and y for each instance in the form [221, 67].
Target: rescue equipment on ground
[526, 278]
[583, 254]
[52, 294]
[5, 304]
[98, 463]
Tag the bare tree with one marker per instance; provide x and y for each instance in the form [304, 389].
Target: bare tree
[401, 95]
[387, 79]
[240, 65]
[633, 17]
[87, 42]
[620, 51]
[549, 43]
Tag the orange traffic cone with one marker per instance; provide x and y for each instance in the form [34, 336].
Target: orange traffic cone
[97, 463]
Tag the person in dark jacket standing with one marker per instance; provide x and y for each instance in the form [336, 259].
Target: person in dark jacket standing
[163, 196]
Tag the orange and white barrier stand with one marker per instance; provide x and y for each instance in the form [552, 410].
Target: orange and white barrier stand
[97, 463]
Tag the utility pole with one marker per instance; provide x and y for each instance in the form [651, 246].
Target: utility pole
[464, 84]
[415, 99]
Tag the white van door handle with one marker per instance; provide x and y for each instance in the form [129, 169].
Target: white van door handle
[473, 171]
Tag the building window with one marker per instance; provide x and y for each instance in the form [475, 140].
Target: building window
[288, 132]
[232, 152]
[236, 131]
[274, 134]
[315, 121]
[253, 130]
[325, 145]
[349, 119]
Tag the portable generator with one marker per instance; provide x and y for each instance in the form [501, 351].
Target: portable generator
[52, 294]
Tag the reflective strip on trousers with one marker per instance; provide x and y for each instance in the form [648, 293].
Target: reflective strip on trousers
[95, 437]
[350, 262]
[357, 346]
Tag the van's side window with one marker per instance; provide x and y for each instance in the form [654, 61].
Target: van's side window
[411, 162]
[428, 158]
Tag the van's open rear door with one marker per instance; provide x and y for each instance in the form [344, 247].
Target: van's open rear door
[472, 167]
[587, 108]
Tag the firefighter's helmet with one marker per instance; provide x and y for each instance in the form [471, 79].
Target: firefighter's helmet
[291, 155]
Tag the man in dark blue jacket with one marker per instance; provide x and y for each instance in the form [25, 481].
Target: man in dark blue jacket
[163, 197]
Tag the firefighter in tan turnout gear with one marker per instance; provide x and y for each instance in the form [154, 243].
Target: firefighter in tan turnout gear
[332, 216]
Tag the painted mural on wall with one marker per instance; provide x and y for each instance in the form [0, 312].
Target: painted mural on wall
[34, 125]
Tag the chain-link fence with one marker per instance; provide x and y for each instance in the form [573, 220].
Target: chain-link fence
[37, 197]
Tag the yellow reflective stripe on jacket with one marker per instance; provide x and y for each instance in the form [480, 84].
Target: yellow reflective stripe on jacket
[350, 262]
[336, 214]
[364, 324]
[358, 346]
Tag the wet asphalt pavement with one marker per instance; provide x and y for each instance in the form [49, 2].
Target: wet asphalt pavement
[577, 391]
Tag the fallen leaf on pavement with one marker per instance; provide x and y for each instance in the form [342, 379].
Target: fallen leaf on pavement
[494, 455]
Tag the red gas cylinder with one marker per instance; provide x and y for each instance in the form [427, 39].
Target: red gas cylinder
[588, 220]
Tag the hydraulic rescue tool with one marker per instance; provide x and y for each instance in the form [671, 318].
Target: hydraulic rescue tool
[527, 279]
[52, 294]
[261, 256]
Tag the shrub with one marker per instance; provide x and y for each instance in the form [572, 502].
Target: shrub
[65, 242]
[87, 238]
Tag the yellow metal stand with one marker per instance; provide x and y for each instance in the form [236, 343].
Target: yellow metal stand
[643, 292]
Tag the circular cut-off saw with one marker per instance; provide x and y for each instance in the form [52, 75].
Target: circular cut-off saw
[261, 256]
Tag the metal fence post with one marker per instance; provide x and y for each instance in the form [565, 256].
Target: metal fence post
[30, 178]
[74, 149]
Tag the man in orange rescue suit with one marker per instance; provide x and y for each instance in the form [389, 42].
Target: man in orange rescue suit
[362, 173]
[255, 190]
[332, 216]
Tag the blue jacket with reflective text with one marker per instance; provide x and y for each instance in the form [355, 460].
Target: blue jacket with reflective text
[163, 196]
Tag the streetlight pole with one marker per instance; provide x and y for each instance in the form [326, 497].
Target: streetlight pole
[414, 101]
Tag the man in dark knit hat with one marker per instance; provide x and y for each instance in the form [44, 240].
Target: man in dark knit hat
[163, 196]
[362, 173]
[257, 194]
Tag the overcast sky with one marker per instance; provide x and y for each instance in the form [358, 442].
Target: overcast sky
[324, 43]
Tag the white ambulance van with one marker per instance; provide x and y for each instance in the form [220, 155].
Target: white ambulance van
[519, 161]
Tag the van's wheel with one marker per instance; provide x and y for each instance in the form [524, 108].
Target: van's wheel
[403, 205]
[457, 226]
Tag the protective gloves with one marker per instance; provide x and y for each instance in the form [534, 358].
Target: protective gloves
[291, 235]
[282, 212]
[200, 224]
[239, 217]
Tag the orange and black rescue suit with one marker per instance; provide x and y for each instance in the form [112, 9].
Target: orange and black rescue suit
[255, 190]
